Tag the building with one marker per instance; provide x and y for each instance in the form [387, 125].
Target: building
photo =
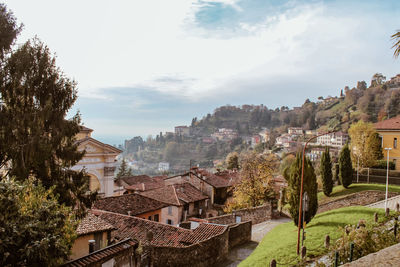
[187, 201]
[225, 134]
[99, 162]
[135, 205]
[283, 139]
[389, 130]
[182, 130]
[137, 183]
[163, 166]
[91, 228]
[265, 135]
[335, 139]
[295, 131]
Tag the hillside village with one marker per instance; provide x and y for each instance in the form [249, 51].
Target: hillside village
[248, 185]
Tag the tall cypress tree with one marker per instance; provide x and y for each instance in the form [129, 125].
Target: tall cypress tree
[292, 175]
[345, 167]
[35, 137]
[326, 172]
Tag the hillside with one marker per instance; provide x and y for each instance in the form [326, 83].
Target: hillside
[374, 103]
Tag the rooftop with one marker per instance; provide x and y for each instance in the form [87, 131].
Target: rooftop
[164, 235]
[134, 203]
[103, 255]
[141, 182]
[217, 180]
[92, 224]
[389, 124]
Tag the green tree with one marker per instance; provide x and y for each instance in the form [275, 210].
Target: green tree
[292, 175]
[123, 170]
[255, 187]
[345, 167]
[36, 139]
[35, 229]
[396, 45]
[326, 172]
[365, 143]
[232, 161]
[336, 175]
[9, 30]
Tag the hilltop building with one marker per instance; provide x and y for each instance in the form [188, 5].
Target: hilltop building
[182, 130]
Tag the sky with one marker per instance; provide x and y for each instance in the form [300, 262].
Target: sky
[143, 67]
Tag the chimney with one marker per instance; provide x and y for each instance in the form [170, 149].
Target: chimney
[129, 213]
[91, 245]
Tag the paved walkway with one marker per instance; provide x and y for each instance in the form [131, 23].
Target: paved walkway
[391, 203]
[239, 253]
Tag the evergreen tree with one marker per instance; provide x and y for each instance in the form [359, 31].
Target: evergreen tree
[336, 175]
[345, 167]
[292, 175]
[326, 172]
[232, 161]
[123, 170]
[36, 140]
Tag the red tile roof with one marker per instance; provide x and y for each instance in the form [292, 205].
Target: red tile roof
[134, 203]
[141, 182]
[92, 224]
[176, 194]
[217, 180]
[389, 124]
[104, 254]
[164, 235]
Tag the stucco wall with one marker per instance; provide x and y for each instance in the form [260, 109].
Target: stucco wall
[81, 245]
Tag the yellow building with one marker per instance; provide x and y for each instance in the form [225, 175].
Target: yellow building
[91, 228]
[389, 130]
[99, 162]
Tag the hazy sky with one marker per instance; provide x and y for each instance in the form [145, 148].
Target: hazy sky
[146, 66]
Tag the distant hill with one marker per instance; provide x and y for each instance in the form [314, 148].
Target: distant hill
[379, 101]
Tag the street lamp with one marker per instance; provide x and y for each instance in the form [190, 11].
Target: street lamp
[301, 188]
[387, 175]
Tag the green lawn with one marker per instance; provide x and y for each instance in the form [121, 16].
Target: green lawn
[280, 243]
[339, 191]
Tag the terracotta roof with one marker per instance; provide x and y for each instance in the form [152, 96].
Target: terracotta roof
[104, 254]
[218, 180]
[85, 129]
[164, 235]
[141, 182]
[92, 224]
[188, 193]
[389, 124]
[134, 203]
[166, 194]
[176, 194]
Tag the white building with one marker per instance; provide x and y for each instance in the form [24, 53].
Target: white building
[337, 139]
[163, 166]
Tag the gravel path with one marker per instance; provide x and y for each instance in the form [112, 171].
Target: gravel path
[391, 203]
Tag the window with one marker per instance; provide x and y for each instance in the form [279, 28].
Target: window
[156, 219]
[395, 143]
[186, 207]
[149, 218]
[170, 210]
[169, 222]
[196, 204]
[394, 162]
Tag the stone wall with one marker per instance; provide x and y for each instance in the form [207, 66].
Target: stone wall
[206, 253]
[239, 234]
[255, 215]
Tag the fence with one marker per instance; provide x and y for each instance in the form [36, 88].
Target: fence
[376, 176]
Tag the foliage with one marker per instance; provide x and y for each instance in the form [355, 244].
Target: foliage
[232, 161]
[293, 177]
[280, 242]
[366, 239]
[8, 29]
[123, 170]
[336, 173]
[35, 229]
[382, 164]
[396, 45]
[255, 187]
[326, 172]
[36, 138]
[345, 167]
[365, 143]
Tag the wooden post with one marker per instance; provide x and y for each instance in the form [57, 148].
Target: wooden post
[376, 217]
[351, 251]
[368, 176]
[303, 252]
[387, 212]
[327, 241]
[273, 263]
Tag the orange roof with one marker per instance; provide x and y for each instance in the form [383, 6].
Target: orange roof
[92, 224]
[389, 124]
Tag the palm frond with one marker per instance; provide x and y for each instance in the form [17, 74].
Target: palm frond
[396, 46]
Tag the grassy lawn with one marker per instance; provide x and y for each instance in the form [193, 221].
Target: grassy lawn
[280, 243]
[339, 191]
